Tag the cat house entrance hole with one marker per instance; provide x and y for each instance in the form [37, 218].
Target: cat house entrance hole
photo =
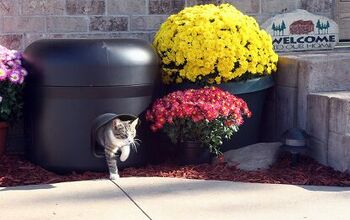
[101, 121]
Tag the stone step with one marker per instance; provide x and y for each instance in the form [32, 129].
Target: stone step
[339, 151]
[325, 73]
[328, 111]
[313, 73]
[328, 124]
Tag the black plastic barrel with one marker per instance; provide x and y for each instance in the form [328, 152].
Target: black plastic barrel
[73, 82]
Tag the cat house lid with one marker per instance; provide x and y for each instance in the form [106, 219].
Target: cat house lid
[91, 62]
[103, 119]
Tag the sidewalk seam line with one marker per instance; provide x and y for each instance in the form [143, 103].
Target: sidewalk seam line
[133, 201]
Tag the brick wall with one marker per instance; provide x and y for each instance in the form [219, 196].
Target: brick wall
[24, 21]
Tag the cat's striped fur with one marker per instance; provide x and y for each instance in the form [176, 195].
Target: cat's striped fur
[115, 136]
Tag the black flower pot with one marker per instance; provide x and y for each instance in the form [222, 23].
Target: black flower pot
[192, 152]
[253, 92]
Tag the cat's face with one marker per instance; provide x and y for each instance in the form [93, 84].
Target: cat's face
[125, 130]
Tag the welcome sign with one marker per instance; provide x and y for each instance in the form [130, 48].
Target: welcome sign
[301, 30]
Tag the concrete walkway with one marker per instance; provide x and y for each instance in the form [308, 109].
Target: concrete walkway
[166, 198]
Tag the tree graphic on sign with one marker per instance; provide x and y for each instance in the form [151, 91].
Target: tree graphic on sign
[318, 26]
[274, 28]
[283, 27]
[278, 30]
[322, 28]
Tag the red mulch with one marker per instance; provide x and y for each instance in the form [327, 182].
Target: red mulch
[14, 171]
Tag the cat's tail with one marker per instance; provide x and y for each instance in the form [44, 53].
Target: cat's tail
[125, 153]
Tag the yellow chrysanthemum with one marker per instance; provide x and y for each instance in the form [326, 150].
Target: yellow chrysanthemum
[217, 43]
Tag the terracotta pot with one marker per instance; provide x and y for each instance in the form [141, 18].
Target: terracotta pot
[191, 152]
[3, 136]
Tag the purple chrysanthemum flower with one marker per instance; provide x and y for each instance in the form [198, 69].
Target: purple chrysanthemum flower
[21, 80]
[10, 63]
[15, 77]
[18, 62]
[11, 66]
[24, 72]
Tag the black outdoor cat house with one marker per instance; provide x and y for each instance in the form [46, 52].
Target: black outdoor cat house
[73, 82]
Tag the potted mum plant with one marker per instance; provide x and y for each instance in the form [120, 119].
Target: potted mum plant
[11, 86]
[195, 119]
[207, 44]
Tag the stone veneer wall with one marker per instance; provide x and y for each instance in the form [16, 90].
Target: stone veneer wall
[300, 74]
[24, 21]
[312, 92]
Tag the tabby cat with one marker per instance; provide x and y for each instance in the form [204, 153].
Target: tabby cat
[115, 136]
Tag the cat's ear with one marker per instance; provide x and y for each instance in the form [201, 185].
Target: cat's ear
[134, 123]
[116, 122]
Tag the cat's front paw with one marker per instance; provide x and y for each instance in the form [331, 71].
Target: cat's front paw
[114, 176]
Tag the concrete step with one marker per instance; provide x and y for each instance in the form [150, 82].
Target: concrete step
[328, 124]
[311, 73]
[315, 72]
[325, 73]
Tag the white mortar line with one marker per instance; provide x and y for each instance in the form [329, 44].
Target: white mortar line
[260, 7]
[65, 8]
[147, 7]
[106, 7]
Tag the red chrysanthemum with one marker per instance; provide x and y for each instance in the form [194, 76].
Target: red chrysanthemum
[207, 103]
